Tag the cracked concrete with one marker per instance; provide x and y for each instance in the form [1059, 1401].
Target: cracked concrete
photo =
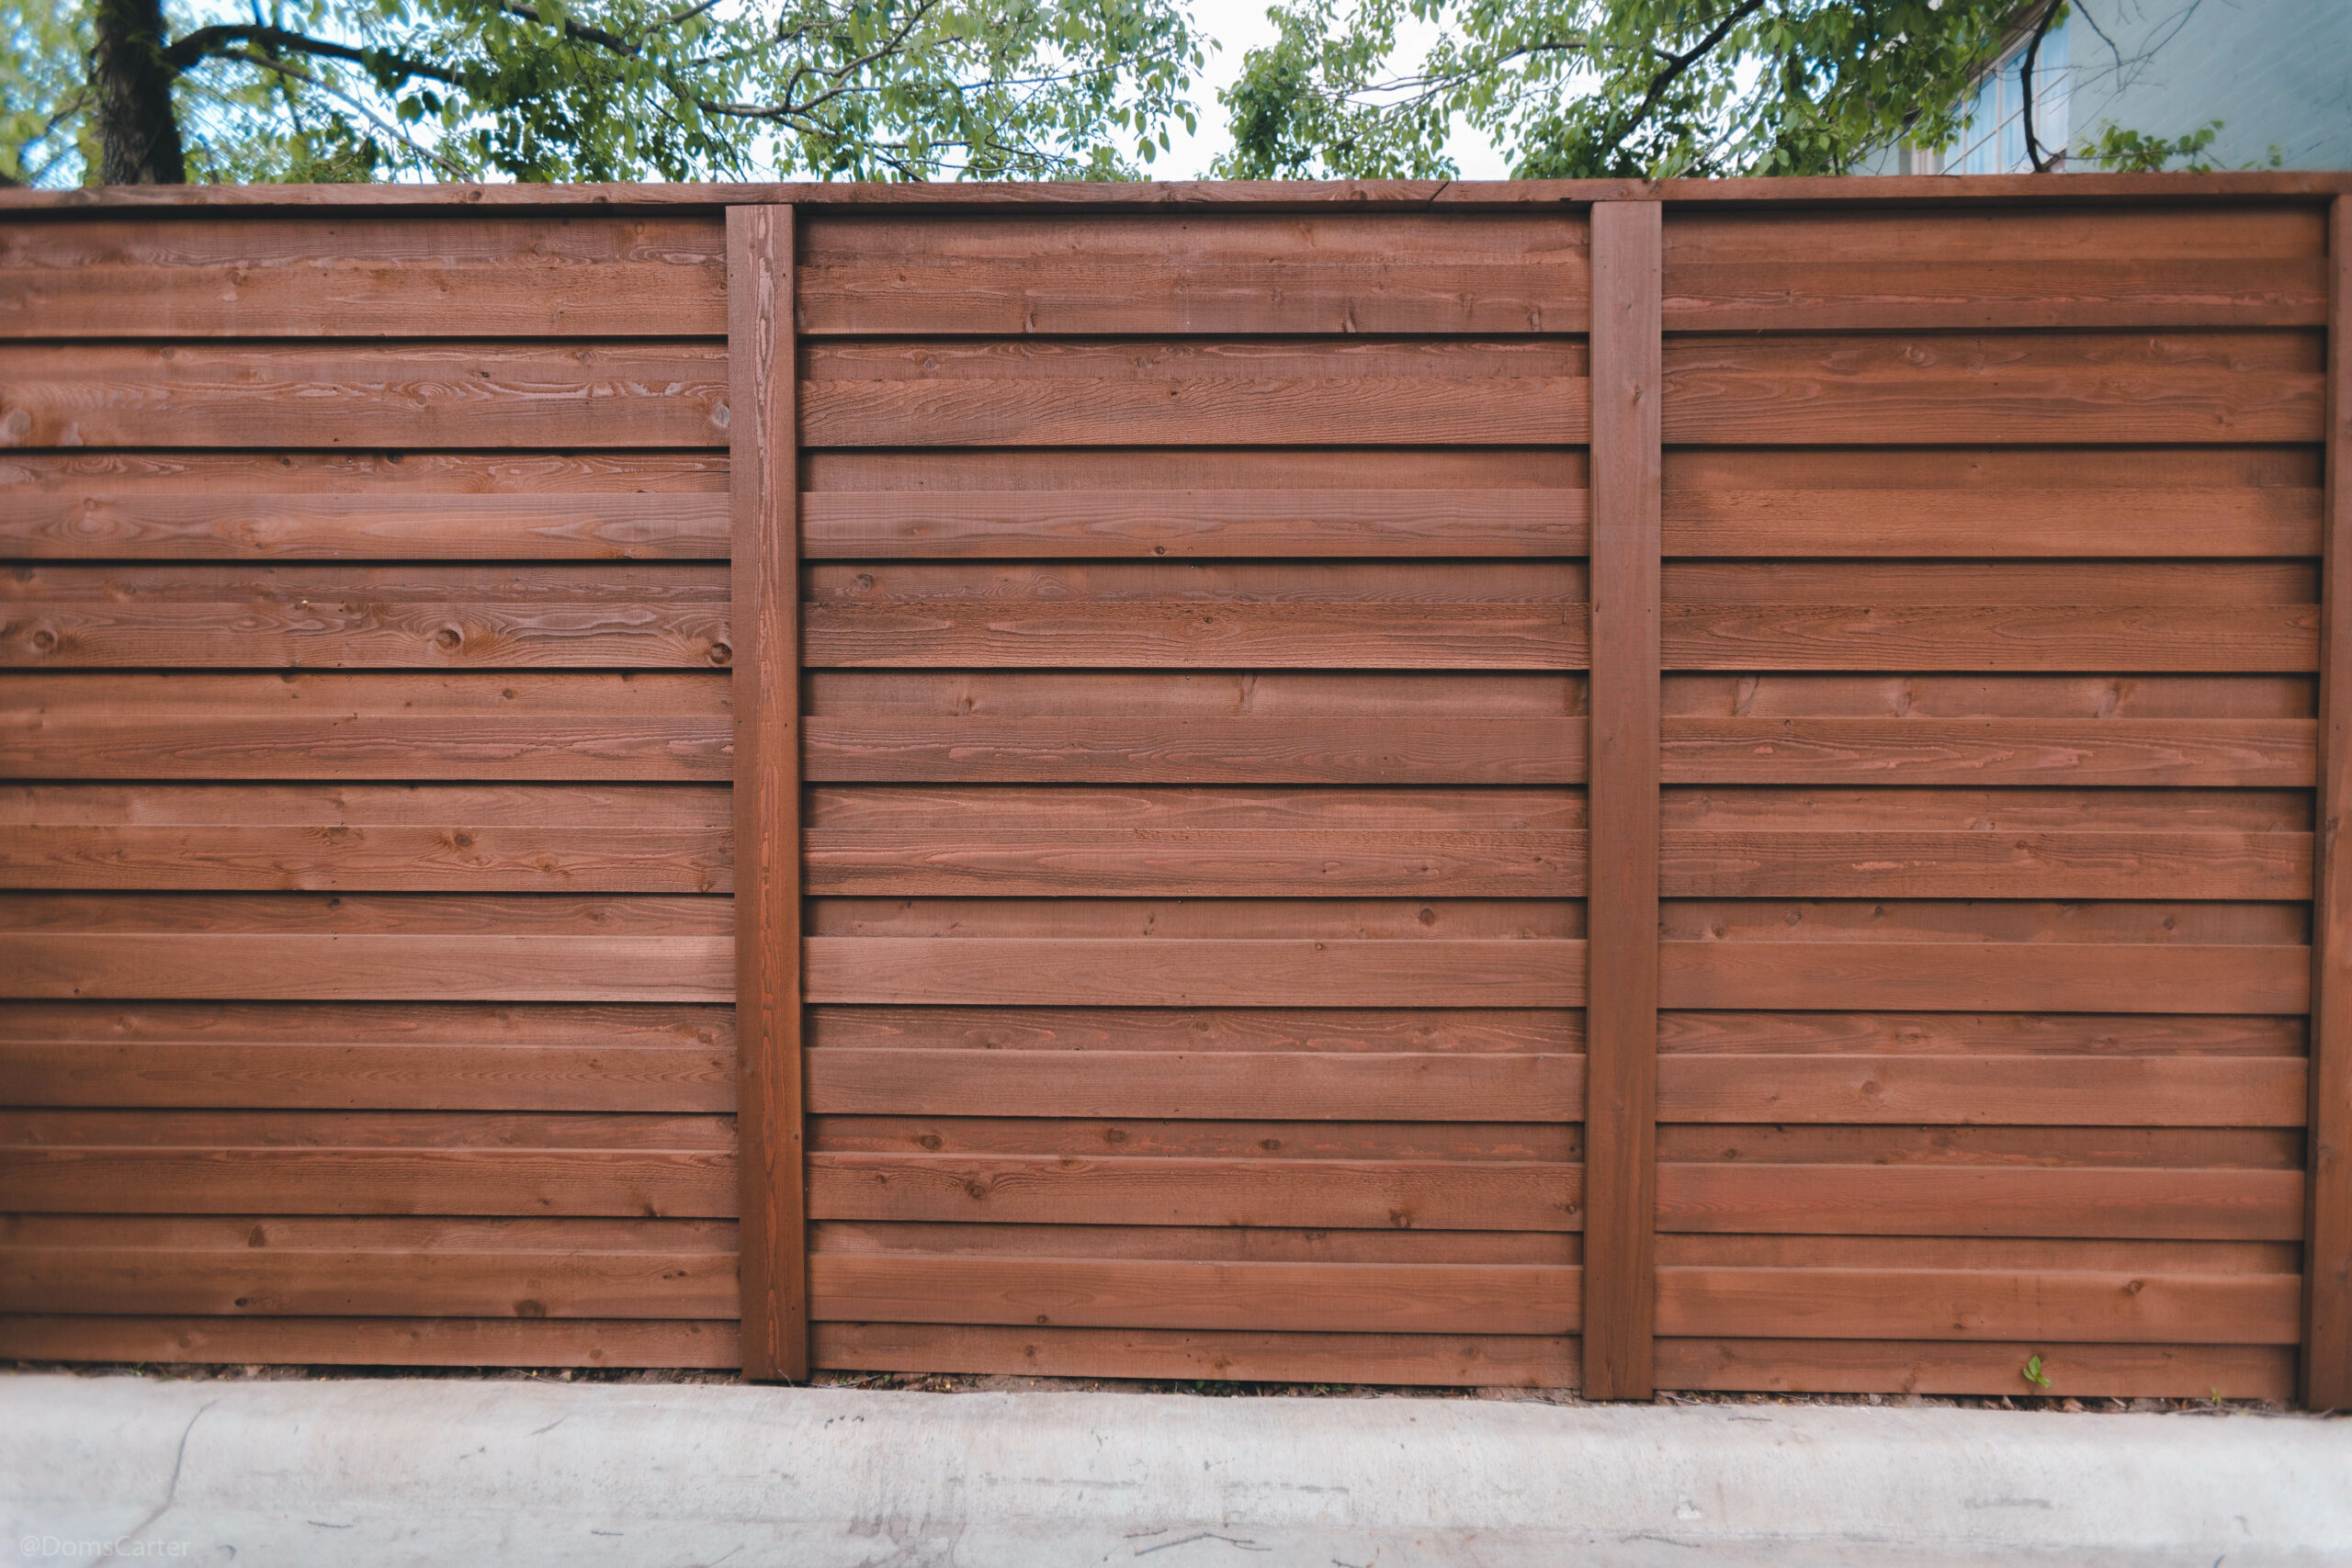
[400, 1472]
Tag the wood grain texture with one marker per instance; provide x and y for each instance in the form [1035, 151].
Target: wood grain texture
[315, 277]
[1859, 1303]
[2035, 1090]
[372, 1341]
[1967, 976]
[2082, 521]
[1228, 273]
[669, 726]
[367, 838]
[2208, 753]
[1993, 389]
[1123, 971]
[423, 1057]
[1309, 1084]
[606, 394]
[1130, 634]
[1115, 1190]
[1623, 900]
[429, 617]
[1699, 864]
[1243, 748]
[1453, 1360]
[125, 1179]
[1314, 1297]
[1181, 523]
[2328, 1299]
[1988, 637]
[768, 983]
[1860, 1199]
[1977, 1367]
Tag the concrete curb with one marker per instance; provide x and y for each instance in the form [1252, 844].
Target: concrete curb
[453, 1471]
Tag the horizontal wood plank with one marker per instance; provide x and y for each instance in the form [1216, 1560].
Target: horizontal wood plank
[374, 1341]
[647, 394]
[65, 617]
[124, 1179]
[922, 747]
[1113, 1190]
[1860, 1304]
[1307, 1084]
[1125, 635]
[1879, 1200]
[306, 967]
[1186, 523]
[1973, 637]
[334, 727]
[1081, 971]
[1334, 1297]
[2080, 522]
[2209, 754]
[1977, 1367]
[1458, 1361]
[1844, 864]
[314, 277]
[2035, 1090]
[1966, 977]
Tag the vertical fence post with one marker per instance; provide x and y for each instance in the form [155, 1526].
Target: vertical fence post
[1621, 1099]
[2327, 1209]
[764, 482]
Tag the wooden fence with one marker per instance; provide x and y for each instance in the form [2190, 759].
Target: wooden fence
[1638, 787]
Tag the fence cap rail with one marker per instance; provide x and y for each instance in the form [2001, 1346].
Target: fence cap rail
[1925, 190]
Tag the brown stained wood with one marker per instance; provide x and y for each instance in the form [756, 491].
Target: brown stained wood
[314, 277]
[373, 1341]
[2328, 1288]
[1318, 1297]
[1966, 977]
[2070, 586]
[1485, 1361]
[265, 526]
[1228, 273]
[2036, 1091]
[425, 1056]
[1703, 863]
[1411, 1031]
[606, 394]
[382, 838]
[1859, 1304]
[1232, 1244]
[308, 967]
[1083, 971]
[1176, 749]
[231, 1278]
[1735, 1250]
[1181, 523]
[1234, 409]
[2051, 1148]
[1955, 636]
[124, 1179]
[1355, 1085]
[983, 858]
[1930, 1367]
[768, 981]
[1866, 1200]
[989, 1137]
[656, 727]
[1991, 389]
[2202, 752]
[1014, 809]
[2081, 521]
[65, 617]
[1115, 1190]
[1992, 1034]
[2237, 813]
[929, 633]
[1623, 900]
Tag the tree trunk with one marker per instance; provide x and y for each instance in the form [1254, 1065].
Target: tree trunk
[139, 136]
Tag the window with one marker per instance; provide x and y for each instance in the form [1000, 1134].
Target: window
[1993, 140]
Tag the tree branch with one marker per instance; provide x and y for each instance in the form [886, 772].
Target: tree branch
[219, 43]
[1676, 65]
[2025, 83]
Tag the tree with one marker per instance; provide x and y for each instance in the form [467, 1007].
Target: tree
[593, 89]
[1609, 88]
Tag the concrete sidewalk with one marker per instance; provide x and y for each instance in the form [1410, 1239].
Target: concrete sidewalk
[443, 1472]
